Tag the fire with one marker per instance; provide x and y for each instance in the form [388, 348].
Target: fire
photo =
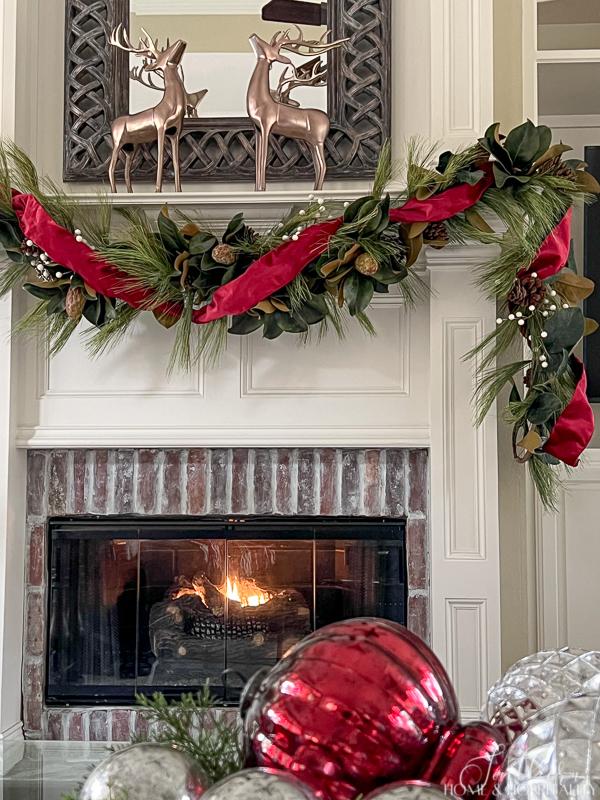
[244, 591]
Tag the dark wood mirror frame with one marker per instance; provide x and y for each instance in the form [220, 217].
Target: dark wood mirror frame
[359, 100]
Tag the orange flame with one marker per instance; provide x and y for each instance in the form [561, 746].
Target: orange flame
[244, 591]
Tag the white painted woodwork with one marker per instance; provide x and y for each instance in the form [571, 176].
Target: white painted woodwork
[409, 386]
[568, 554]
[465, 569]
[462, 70]
[12, 460]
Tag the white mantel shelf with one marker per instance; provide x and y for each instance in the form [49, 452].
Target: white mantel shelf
[240, 197]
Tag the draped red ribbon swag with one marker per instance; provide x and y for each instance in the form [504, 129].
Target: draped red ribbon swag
[573, 429]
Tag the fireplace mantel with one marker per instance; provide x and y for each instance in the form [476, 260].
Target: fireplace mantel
[412, 389]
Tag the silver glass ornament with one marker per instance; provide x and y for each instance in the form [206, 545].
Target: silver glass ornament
[259, 784]
[408, 790]
[558, 756]
[143, 772]
[538, 681]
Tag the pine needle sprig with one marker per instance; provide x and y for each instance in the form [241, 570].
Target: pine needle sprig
[102, 340]
[143, 259]
[299, 292]
[547, 482]
[492, 346]
[195, 726]
[12, 274]
[387, 170]
[183, 356]
[23, 176]
[491, 384]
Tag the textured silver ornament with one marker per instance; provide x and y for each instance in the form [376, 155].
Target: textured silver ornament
[558, 756]
[408, 790]
[259, 784]
[538, 681]
[145, 772]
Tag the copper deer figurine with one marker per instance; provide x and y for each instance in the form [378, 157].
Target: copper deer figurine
[271, 115]
[164, 120]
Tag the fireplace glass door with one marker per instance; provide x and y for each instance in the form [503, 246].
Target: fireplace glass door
[169, 605]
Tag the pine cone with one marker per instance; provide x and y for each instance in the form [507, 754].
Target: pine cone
[557, 167]
[436, 234]
[527, 291]
[565, 171]
[366, 264]
[74, 303]
[224, 254]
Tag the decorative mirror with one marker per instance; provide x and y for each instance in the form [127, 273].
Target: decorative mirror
[218, 140]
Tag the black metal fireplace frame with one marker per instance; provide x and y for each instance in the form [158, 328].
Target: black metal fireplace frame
[230, 528]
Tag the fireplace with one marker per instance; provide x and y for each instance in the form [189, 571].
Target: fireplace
[138, 606]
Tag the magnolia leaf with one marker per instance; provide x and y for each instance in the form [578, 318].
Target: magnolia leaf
[271, 329]
[245, 324]
[574, 288]
[415, 229]
[169, 232]
[475, 219]
[545, 406]
[330, 267]
[351, 212]
[48, 284]
[266, 306]
[472, 177]
[234, 229]
[42, 290]
[425, 192]
[280, 305]
[290, 323]
[564, 329]
[531, 441]
[340, 275]
[166, 320]
[444, 160]
[358, 292]
[189, 230]
[551, 153]
[414, 248]
[590, 326]
[91, 293]
[522, 144]
[587, 183]
[201, 243]
[492, 142]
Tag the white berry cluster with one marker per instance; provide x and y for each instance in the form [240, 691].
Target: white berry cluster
[550, 305]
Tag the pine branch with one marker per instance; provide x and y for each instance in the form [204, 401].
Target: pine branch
[193, 725]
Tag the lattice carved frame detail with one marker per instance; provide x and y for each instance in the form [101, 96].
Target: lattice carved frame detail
[97, 90]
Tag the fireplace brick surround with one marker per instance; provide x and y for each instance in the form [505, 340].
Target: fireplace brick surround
[306, 481]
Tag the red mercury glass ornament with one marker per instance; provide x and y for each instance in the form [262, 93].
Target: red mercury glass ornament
[356, 705]
[469, 761]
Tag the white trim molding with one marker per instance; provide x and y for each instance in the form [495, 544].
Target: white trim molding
[557, 556]
[171, 8]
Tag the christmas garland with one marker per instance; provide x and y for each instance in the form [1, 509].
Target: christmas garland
[322, 264]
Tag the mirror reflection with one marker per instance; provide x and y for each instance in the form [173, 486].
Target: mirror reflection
[219, 60]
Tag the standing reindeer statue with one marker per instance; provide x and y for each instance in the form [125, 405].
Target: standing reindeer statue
[164, 120]
[274, 112]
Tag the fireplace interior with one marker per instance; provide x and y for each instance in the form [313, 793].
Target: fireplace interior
[166, 605]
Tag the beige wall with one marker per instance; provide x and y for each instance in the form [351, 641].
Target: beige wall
[508, 63]
[207, 33]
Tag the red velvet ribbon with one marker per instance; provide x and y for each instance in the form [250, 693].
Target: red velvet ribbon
[64, 249]
[575, 427]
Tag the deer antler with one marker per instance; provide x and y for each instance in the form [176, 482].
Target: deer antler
[312, 73]
[304, 46]
[139, 75]
[146, 47]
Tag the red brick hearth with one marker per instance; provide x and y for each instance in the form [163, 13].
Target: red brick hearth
[324, 482]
